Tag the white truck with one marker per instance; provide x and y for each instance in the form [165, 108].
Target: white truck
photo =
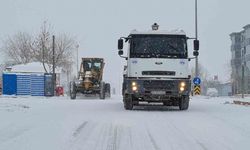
[157, 68]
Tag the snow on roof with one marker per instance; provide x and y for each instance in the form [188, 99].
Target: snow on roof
[246, 26]
[34, 67]
[164, 32]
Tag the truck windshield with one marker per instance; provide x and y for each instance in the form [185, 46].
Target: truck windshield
[158, 46]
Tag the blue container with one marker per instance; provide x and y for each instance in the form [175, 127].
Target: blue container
[37, 85]
[9, 86]
[23, 84]
[26, 84]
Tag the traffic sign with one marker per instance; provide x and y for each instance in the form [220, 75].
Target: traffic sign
[197, 81]
[197, 90]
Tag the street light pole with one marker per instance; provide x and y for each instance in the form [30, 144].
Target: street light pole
[242, 81]
[196, 38]
[243, 73]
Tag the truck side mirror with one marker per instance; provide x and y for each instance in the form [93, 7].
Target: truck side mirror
[120, 44]
[120, 52]
[196, 45]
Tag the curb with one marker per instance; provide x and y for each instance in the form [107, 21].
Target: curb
[241, 103]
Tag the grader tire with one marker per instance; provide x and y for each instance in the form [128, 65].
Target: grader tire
[72, 90]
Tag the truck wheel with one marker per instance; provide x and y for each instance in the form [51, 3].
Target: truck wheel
[128, 102]
[72, 90]
[102, 91]
[184, 103]
[107, 90]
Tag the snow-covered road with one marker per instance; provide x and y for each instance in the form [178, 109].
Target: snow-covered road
[89, 124]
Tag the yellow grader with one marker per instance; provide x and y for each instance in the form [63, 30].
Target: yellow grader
[89, 81]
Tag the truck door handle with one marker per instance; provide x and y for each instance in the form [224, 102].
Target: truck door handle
[158, 63]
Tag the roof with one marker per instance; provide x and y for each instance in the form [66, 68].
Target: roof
[235, 33]
[163, 32]
[34, 67]
[246, 26]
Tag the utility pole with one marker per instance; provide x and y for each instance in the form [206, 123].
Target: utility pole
[77, 46]
[196, 38]
[54, 75]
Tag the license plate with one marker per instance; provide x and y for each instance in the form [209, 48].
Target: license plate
[158, 92]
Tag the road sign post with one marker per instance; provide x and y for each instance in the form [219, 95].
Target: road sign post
[197, 87]
[197, 90]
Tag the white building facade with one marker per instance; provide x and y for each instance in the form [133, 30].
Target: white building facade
[240, 50]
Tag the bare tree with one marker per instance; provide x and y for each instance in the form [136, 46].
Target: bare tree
[19, 48]
[23, 48]
[42, 44]
[64, 45]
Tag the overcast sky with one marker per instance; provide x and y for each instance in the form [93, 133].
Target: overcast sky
[98, 24]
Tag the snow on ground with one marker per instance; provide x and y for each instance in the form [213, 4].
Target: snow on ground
[92, 124]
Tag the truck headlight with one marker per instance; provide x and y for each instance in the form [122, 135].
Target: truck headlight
[182, 89]
[182, 86]
[134, 86]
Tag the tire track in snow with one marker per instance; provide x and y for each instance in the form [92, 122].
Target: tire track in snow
[130, 138]
[152, 140]
[102, 138]
[112, 141]
[187, 136]
[81, 135]
[79, 129]
[12, 132]
[201, 145]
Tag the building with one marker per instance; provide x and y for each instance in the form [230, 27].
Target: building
[240, 50]
[225, 89]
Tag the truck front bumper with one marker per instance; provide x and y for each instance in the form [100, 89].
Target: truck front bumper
[157, 89]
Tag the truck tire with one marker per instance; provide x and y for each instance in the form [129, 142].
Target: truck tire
[184, 103]
[128, 102]
[72, 90]
[107, 90]
[102, 90]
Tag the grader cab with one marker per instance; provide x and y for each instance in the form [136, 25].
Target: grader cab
[89, 81]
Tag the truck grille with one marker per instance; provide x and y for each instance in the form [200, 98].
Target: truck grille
[161, 73]
[159, 85]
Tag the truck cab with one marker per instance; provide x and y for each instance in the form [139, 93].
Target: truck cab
[157, 69]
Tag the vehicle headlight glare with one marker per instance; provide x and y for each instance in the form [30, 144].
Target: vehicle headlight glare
[183, 84]
[134, 88]
[182, 89]
[133, 83]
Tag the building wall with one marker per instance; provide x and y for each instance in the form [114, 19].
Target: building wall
[236, 61]
[225, 89]
[240, 49]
